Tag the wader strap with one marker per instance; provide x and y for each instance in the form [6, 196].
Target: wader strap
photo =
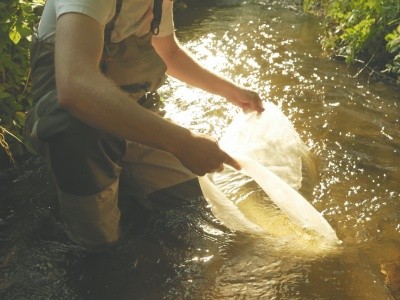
[155, 23]
[157, 14]
[107, 37]
[110, 25]
[154, 28]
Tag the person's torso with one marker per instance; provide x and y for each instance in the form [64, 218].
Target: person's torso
[134, 17]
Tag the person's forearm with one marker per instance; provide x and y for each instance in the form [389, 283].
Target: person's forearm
[184, 67]
[102, 105]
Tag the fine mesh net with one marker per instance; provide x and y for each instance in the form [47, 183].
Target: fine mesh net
[273, 155]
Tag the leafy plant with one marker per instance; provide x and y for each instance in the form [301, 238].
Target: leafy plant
[361, 29]
[18, 20]
[393, 46]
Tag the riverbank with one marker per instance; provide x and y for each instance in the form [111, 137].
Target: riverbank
[362, 32]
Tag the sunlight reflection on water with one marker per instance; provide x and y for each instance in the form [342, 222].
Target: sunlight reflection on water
[352, 128]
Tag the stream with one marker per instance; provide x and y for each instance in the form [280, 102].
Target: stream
[350, 123]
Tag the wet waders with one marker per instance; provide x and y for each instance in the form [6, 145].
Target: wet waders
[90, 165]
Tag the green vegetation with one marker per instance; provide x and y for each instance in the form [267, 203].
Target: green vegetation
[368, 30]
[18, 18]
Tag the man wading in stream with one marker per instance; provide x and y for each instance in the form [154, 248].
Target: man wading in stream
[96, 66]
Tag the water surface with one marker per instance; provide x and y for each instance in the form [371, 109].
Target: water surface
[351, 126]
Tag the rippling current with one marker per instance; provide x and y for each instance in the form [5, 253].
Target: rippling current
[351, 125]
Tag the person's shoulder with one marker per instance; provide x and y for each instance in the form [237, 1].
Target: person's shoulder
[100, 10]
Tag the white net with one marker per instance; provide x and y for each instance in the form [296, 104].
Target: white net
[272, 154]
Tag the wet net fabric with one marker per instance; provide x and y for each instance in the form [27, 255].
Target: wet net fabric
[272, 154]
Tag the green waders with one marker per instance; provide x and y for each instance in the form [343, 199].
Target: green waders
[89, 165]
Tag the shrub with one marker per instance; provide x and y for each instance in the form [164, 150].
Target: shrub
[393, 46]
[363, 29]
[18, 20]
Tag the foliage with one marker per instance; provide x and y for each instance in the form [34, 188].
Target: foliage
[362, 29]
[18, 18]
[393, 46]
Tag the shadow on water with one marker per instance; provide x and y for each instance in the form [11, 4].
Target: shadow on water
[351, 126]
[157, 258]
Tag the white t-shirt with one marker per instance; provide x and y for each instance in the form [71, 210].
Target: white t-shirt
[134, 18]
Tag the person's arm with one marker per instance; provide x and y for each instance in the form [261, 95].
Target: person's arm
[183, 66]
[96, 100]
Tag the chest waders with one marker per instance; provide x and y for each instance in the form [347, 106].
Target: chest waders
[90, 166]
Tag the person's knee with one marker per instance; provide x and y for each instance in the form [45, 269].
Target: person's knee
[92, 220]
[85, 160]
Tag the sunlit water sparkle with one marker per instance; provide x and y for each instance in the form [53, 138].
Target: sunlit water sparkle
[352, 129]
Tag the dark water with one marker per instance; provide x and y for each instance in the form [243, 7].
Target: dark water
[351, 125]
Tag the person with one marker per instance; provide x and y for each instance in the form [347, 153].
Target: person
[96, 66]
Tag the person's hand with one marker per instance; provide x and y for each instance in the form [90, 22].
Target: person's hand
[201, 154]
[247, 100]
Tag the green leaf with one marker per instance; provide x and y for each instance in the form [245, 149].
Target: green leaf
[24, 30]
[4, 95]
[390, 36]
[37, 3]
[20, 118]
[15, 36]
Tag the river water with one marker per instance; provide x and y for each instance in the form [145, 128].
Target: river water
[351, 125]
